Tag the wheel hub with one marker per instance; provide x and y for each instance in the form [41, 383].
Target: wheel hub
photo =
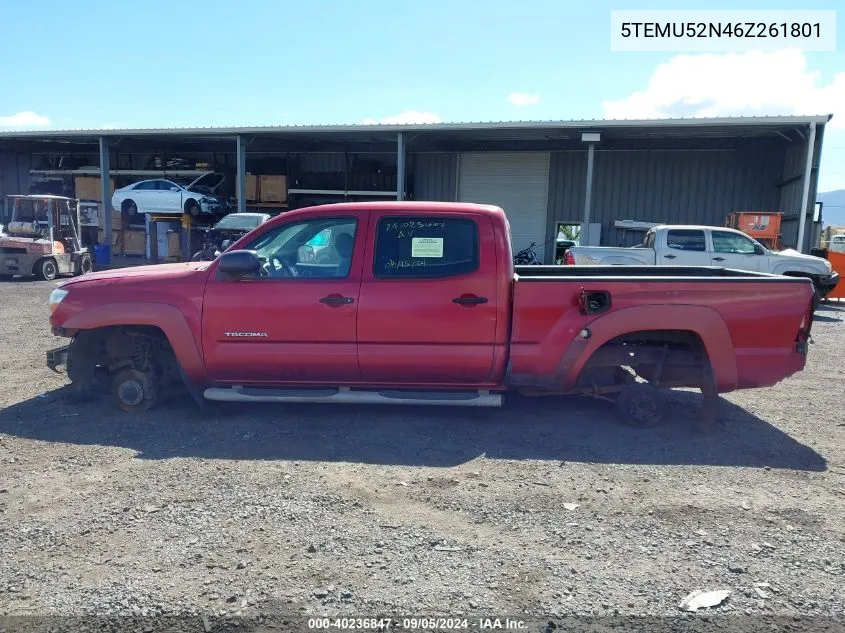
[131, 392]
[642, 408]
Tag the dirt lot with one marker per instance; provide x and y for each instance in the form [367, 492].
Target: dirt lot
[359, 511]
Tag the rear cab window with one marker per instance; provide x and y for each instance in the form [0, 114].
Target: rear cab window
[686, 240]
[425, 247]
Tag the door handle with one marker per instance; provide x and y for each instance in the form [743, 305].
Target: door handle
[469, 300]
[336, 300]
[670, 256]
[718, 259]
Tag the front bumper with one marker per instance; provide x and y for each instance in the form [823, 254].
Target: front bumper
[827, 284]
[57, 358]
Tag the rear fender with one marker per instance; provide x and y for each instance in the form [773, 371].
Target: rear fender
[168, 318]
[706, 322]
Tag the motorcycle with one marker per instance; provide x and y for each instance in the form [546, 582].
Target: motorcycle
[527, 256]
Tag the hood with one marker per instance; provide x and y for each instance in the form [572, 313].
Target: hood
[208, 181]
[806, 260]
[790, 252]
[138, 273]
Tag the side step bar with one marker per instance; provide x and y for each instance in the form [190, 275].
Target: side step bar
[481, 398]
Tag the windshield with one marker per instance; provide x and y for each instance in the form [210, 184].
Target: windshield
[238, 222]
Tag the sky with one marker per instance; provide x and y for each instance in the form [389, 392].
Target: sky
[271, 62]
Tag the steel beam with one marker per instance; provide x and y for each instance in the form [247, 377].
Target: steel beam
[241, 176]
[400, 166]
[105, 194]
[805, 189]
[588, 197]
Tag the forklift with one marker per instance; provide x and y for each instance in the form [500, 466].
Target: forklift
[43, 238]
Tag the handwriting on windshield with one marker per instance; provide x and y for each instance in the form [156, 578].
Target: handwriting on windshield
[407, 228]
[402, 264]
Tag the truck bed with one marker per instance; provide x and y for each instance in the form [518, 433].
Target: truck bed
[653, 273]
[549, 313]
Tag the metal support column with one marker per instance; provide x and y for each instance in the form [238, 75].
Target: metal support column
[805, 190]
[105, 195]
[241, 176]
[400, 166]
[588, 196]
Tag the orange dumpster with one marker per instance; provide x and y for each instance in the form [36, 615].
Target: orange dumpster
[837, 260]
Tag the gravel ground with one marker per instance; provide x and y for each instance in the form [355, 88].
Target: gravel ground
[547, 507]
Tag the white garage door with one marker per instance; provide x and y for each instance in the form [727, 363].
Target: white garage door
[516, 181]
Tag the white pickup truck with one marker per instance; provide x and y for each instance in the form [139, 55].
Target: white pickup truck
[686, 245]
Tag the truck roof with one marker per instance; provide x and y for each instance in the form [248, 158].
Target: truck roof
[406, 206]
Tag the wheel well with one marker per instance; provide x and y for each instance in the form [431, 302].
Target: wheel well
[104, 351]
[124, 206]
[190, 202]
[675, 358]
[39, 261]
[795, 273]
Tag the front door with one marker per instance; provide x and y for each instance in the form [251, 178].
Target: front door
[429, 306]
[295, 321]
[731, 250]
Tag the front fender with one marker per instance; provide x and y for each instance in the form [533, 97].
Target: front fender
[167, 318]
[706, 322]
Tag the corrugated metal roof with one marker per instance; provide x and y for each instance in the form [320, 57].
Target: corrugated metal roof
[755, 121]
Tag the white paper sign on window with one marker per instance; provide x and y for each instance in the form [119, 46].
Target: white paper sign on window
[426, 247]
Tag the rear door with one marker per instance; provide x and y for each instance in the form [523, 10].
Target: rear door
[428, 307]
[731, 250]
[683, 247]
[289, 324]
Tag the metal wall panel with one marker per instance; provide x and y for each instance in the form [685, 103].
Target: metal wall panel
[434, 177]
[334, 162]
[677, 187]
[516, 181]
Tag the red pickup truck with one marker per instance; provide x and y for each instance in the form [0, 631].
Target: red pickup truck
[420, 303]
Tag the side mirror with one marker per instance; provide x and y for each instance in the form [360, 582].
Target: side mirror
[239, 263]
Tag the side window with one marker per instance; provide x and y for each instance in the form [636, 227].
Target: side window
[724, 242]
[147, 185]
[164, 185]
[686, 240]
[321, 247]
[425, 247]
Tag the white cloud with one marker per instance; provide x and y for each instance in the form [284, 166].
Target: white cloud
[523, 99]
[405, 118]
[24, 119]
[734, 84]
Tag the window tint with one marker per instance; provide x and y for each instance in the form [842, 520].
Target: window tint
[291, 251]
[724, 242]
[686, 240]
[147, 185]
[425, 247]
[164, 185]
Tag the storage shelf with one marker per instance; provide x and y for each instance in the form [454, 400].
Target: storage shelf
[267, 205]
[119, 172]
[342, 192]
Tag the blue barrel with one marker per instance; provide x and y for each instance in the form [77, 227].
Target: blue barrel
[101, 254]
